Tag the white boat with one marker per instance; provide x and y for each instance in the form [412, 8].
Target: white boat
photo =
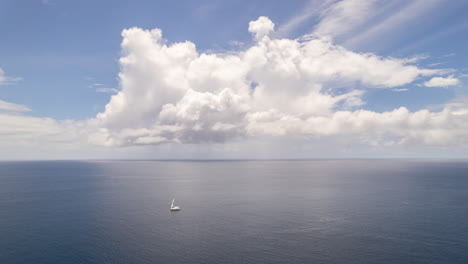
[174, 208]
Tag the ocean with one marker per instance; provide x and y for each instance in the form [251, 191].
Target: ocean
[307, 211]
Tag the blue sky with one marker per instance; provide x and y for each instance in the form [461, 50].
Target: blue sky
[58, 46]
[57, 55]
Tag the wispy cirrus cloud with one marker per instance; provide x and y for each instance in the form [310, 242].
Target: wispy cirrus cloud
[107, 90]
[435, 64]
[356, 24]
[395, 20]
[400, 90]
[343, 16]
[236, 43]
[4, 79]
[311, 10]
[11, 107]
[100, 87]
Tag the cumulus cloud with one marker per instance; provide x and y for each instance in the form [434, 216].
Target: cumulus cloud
[395, 127]
[261, 27]
[171, 93]
[442, 82]
[278, 87]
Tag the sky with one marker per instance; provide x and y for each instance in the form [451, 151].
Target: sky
[233, 79]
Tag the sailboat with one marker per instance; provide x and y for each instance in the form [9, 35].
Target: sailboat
[174, 208]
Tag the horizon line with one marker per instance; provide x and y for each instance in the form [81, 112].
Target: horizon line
[234, 159]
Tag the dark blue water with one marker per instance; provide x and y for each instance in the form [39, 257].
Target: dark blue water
[369, 211]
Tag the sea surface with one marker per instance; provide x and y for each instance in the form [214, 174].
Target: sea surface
[311, 211]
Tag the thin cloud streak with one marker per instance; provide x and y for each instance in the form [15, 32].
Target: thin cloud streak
[11, 107]
[107, 90]
[312, 9]
[412, 11]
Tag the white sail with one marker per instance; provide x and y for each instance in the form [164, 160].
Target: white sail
[174, 208]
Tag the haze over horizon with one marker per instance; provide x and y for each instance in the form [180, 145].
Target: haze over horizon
[244, 80]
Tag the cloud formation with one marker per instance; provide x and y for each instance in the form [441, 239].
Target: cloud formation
[339, 18]
[106, 90]
[171, 93]
[400, 90]
[11, 107]
[7, 79]
[24, 137]
[442, 82]
[278, 88]
[2, 75]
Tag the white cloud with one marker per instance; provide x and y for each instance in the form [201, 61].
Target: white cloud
[170, 93]
[261, 27]
[277, 88]
[400, 90]
[28, 137]
[435, 64]
[21, 126]
[448, 127]
[2, 76]
[395, 19]
[11, 107]
[311, 9]
[100, 87]
[448, 55]
[236, 43]
[442, 82]
[107, 90]
[341, 17]
[6, 79]
[370, 24]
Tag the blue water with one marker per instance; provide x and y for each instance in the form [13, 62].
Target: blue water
[319, 211]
